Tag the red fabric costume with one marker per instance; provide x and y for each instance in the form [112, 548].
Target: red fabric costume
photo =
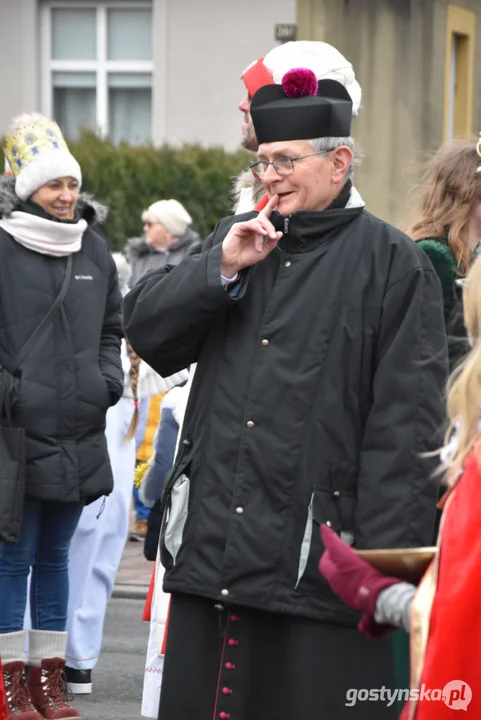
[454, 638]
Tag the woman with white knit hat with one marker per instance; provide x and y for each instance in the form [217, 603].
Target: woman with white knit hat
[60, 335]
[167, 238]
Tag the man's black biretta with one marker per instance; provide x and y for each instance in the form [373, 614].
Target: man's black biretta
[278, 116]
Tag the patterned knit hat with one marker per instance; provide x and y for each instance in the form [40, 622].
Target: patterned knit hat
[37, 153]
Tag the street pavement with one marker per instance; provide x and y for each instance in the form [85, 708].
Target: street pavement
[134, 573]
[119, 675]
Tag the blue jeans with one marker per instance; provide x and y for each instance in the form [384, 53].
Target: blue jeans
[141, 510]
[43, 546]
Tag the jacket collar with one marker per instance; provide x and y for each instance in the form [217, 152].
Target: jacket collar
[304, 230]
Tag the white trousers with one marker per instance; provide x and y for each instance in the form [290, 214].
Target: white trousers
[98, 544]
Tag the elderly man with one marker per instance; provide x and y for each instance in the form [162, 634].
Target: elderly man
[325, 62]
[319, 336]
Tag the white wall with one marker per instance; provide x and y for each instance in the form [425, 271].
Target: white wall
[198, 65]
[201, 48]
[18, 59]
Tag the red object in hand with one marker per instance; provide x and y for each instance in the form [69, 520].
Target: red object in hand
[352, 578]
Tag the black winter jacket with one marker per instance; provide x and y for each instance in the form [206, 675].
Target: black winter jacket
[316, 392]
[73, 374]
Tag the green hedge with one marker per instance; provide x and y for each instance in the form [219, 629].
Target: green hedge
[128, 179]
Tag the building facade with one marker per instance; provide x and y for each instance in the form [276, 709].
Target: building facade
[169, 71]
[136, 70]
[419, 66]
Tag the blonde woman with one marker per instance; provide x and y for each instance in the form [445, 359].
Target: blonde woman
[444, 611]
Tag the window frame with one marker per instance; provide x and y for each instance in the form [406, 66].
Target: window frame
[102, 67]
[460, 28]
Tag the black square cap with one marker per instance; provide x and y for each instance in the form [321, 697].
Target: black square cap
[278, 117]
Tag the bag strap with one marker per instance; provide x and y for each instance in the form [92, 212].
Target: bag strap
[35, 336]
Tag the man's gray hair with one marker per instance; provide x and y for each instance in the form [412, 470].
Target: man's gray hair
[326, 144]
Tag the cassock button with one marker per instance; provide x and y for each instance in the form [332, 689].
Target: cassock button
[336, 493]
[224, 592]
[239, 510]
[250, 423]
[287, 263]
[265, 342]
[329, 523]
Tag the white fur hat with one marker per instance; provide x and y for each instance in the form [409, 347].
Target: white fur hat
[323, 59]
[171, 214]
[37, 153]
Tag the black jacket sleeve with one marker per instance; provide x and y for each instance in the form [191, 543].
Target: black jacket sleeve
[109, 355]
[397, 493]
[169, 312]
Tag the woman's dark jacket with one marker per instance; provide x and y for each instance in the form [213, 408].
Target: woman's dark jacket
[318, 390]
[444, 263]
[73, 374]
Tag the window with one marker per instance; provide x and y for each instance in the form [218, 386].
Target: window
[459, 73]
[98, 68]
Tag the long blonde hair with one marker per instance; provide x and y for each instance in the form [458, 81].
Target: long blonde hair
[449, 190]
[464, 391]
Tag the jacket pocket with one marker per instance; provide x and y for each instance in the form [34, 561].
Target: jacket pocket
[333, 504]
[174, 508]
[177, 516]
[306, 542]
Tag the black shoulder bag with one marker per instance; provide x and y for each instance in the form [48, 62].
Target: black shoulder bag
[12, 439]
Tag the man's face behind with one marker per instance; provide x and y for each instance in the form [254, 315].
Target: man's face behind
[248, 135]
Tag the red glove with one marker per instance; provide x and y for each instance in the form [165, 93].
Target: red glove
[353, 579]
[373, 630]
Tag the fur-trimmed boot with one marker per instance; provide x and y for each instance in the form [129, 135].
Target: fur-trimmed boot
[19, 703]
[17, 696]
[46, 677]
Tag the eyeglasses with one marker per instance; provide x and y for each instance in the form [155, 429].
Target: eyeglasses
[282, 165]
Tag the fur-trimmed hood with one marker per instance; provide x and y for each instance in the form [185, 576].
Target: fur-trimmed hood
[246, 186]
[124, 271]
[137, 247]
[87, 208]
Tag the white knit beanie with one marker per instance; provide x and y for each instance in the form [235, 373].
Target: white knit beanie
[37, 154]
[171, 214]
[323, 59]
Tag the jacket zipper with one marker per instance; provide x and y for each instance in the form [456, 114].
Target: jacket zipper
[286, 225]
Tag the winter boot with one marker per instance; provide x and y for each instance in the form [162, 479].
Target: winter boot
[49, 692]
[19, 702]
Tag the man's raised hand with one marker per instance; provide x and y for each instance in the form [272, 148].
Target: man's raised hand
[247, 243]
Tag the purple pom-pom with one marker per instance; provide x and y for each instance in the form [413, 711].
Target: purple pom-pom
[299, 82]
